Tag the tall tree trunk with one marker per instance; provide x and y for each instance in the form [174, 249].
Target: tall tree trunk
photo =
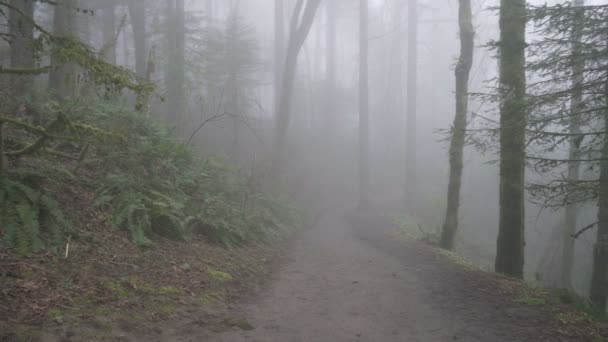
[176, 64]
[22, 51]
[513, 118]
[109, 32]
[363, 105]
[279, 48]
[137, 12]
[412, 95]
[62, 79]
[330, 78]
[574, 142]
[463, 69]
[301, 22]
[599, 278]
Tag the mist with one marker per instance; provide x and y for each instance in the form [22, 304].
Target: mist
[293, 165]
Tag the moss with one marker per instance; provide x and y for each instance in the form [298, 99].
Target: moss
[238, 323]
[212, 297]
[529, 300]
[168, 291]
[55, 314]
[117, 289]
[457, 259]
[219, 275]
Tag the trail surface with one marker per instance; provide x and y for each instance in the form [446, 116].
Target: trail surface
[345, 284]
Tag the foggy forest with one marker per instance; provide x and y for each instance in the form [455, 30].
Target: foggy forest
[303, 170]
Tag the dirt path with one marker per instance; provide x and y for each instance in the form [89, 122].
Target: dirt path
[345, 284]
[337, 288]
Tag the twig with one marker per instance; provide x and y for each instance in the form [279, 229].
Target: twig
[67, 247]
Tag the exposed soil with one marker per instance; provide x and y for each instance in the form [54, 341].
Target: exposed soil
[343, 280]
[366, 284]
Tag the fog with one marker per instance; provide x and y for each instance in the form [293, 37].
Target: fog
[323, 132]
[238, 121]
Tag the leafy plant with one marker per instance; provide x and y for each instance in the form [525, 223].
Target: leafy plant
[31, 220]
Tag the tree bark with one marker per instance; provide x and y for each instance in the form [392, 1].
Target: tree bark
[363, 105]
[109, 32]
[576, 106]
[301, 22]
[412, 95]
[599, 277]
[137, 12]
[462, 72]
[22, 50]
[513, 118]
[279, 49]
[62, 79]
[330, 81]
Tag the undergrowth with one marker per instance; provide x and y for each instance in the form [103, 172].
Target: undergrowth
[153, 185]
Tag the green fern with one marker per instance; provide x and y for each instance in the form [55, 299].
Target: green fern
[32, 220]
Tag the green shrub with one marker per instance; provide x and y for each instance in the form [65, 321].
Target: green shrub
[31, 219]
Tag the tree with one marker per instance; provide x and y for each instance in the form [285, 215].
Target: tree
[108, 18]
[279, 48]
[576, 102]
[513, 117]
[301, 21]
[463, 69]
[137, 12]
[22, 43]
[363, 106]
[412, 94]
[175, 79]
[579, 77]
[330, 78]
[62, 78]
[599, 278]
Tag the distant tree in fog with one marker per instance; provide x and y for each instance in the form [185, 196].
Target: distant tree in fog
[301, 21]
[364, 160]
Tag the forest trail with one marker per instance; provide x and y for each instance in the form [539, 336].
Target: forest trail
[345, 284]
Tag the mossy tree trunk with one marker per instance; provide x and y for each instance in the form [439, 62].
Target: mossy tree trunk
[108, 19]
[62, 79]
[463, 69]
[137, 13]
[513, 118]
[22, 44]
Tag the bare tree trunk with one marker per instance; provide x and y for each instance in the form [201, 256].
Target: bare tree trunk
[137, 12]
[574, 142]
[513, 118]
[463, 69]
[62, 78]
[363, 105]
[412, 95]
[22, 51]
[599, 278]
[109, 32]
[279, 48]
[301, 22]
[330, 80]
